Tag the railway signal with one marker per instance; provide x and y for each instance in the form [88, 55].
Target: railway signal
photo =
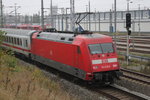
[128, 20]
[128, 26]
[129, 32]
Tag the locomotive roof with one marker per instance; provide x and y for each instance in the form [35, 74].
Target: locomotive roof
[18, 31]
[62, 37]
[68, 38]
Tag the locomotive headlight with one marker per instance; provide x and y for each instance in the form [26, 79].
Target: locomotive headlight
[95, 67]
[97, 61]
[115, 65]
[110, 60]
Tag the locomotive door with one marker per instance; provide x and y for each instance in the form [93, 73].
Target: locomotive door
[76, 60]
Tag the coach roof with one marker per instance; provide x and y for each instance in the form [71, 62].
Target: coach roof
[18, 31]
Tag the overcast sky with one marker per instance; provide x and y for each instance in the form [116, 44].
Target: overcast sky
[33, 6]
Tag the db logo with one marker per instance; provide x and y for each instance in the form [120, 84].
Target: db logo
[105, 61]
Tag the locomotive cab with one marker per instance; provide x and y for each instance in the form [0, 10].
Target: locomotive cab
[103, 59]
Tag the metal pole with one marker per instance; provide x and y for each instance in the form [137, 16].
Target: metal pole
[72, 16]
[51, 10]
[139, 24]
[39, 18]
[42, 14]
[110, 21]
[89, 16]
[16, 15]
[115, 19]
[58, 23]
[128, 6]
[86, 18]
[128, 36]
[95, 20]
[1, 13]
[66, 20]
[115, 22]
[62, 20]
[99, 22]
[55, 20]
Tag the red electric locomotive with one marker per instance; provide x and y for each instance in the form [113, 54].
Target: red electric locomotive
[91, 57]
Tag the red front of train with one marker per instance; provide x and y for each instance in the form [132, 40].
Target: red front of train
[90, 57]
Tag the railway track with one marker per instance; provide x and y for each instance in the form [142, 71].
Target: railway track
[146, 51]
[143, 48]
[114, 92]
[139, 77]
[140, 58]
[137, 44]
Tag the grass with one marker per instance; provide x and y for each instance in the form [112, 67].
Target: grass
[134, 62]
[26, 82]
[136, 65]
[134, 53]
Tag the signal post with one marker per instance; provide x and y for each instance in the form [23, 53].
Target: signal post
[128, 26]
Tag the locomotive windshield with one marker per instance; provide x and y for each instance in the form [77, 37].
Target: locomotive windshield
[95, 49]
[101, 48]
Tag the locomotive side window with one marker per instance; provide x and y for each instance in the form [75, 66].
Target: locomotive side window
[107, 47]
[70, 39]
[62, 38]
[95, 49]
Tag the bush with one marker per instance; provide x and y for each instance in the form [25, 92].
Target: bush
[1, 37]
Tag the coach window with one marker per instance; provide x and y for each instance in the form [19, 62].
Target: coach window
[6, 39]
[18, 41]
[12, 40]
[26, 43]
[15, 40]
[9, 38]
[21, 42]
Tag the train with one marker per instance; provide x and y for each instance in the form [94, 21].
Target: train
[89, 57]
[28, 27]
